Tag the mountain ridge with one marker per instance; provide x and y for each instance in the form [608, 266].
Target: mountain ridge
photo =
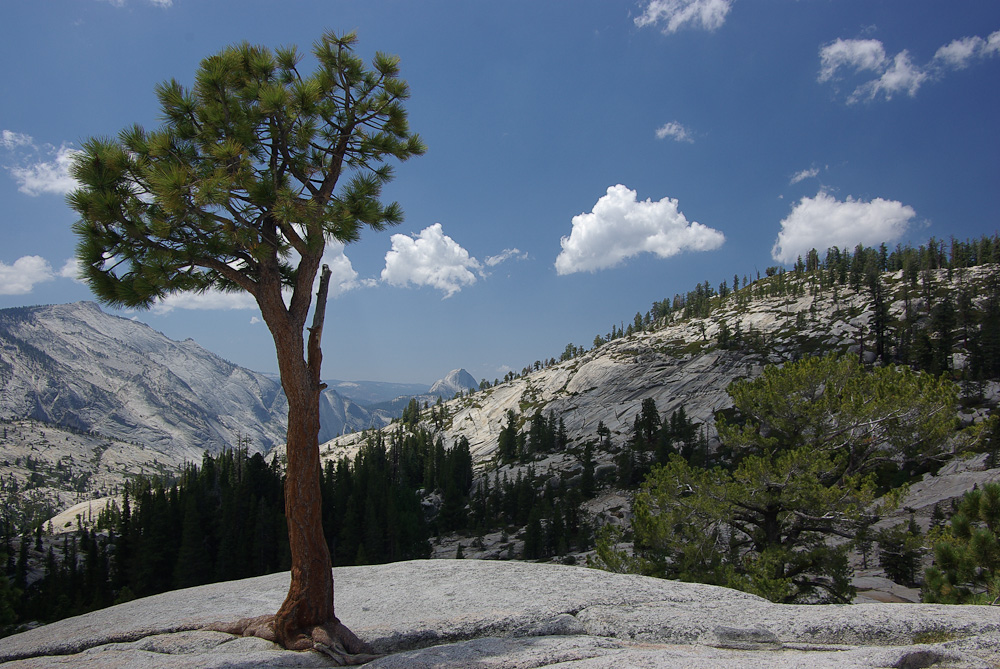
[681, 363]
[77, 366]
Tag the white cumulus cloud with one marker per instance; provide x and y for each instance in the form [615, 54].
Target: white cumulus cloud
[432, 258]
[620, 227]
[672, 15]
[675, 131]
[343, 278]
[210, 300]
[21, 277]
[38, 170]
[71, 270]
[823, 221]
[898, 74]
[47, 176]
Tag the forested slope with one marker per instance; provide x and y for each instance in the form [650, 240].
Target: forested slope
[555, 461]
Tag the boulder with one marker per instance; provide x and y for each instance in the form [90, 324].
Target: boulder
[471, 613]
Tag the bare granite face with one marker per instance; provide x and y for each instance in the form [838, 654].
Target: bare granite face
[74, 365]
[679, 365]
[515, 615]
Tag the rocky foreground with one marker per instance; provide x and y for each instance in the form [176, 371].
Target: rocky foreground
[507, 615]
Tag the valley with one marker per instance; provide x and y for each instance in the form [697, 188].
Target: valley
[552, 455]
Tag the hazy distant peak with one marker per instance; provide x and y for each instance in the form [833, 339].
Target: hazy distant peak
[456, 380]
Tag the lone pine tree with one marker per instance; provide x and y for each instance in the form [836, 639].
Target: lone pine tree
[256, 168]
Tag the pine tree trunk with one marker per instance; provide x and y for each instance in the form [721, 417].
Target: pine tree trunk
[306, 619]
[310, 596]
[308, 607]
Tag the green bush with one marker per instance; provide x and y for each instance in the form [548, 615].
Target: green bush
[966, 567]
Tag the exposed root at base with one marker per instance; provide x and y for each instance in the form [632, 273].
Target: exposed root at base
[332, 639]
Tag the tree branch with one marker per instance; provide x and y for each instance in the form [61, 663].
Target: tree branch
[314, 351]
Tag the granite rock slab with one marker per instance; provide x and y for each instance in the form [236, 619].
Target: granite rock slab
[515, 615]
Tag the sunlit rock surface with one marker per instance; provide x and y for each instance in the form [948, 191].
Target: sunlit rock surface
[469, 613]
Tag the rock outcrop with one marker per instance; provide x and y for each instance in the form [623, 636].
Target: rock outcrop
[469, 613]
[684, 364]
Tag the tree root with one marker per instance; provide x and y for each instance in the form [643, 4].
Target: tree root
[333, 639]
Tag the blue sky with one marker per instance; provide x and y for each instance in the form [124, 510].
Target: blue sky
[584, 158]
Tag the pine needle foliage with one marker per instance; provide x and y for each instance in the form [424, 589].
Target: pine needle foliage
[966, 567]
[778, 517]
[243, 175]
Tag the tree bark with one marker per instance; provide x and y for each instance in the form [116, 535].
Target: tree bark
[309, 602]
[308, 607]
[306, 619]
[310, 596]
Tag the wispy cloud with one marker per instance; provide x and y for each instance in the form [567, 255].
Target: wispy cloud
[823, 221]
[672, 15]
[959, 53]
[674, 131]
[859, 54]
[902, 76]
[620, 227]
[433, 259]
[802, 175]
[37, 169]
[12, 140]
[505, 255]
[897, 74]
[157, 3]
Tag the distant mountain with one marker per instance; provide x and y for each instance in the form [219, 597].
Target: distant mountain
[456, 380]
[396, 396]
[339, 414]
[367, 393]
[76, 366]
